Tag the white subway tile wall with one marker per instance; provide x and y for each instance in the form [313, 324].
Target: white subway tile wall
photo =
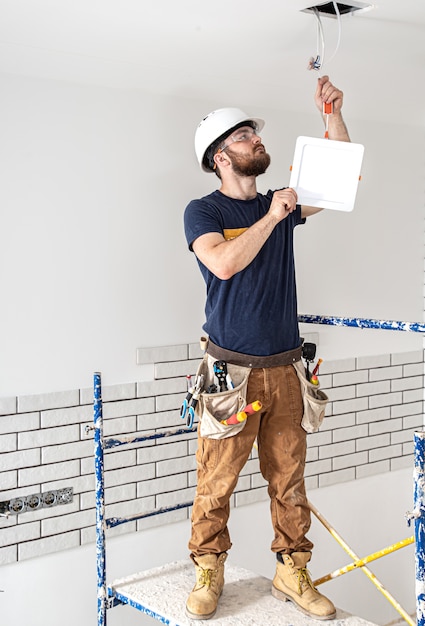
[46, 442]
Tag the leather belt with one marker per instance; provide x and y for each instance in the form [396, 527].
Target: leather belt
[247, 360]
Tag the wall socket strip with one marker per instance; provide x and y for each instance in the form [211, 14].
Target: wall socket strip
[36, 501]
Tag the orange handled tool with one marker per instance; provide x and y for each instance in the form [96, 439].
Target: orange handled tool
[235, 418]
[328, 109]
[252, 408]
[316, 369]
[241, 416]
[313, 379]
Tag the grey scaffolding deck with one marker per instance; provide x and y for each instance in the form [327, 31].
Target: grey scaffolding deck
[246, 599]
[161, 592]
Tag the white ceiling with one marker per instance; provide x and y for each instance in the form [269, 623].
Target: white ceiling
[226, 51]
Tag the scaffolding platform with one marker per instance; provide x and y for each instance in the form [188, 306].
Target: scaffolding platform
[246, 599]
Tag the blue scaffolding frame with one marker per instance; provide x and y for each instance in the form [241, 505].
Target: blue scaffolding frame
[106, 597]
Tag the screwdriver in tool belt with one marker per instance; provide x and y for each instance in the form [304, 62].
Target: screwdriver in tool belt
[316, 367]
[314, 378]
[241, 416]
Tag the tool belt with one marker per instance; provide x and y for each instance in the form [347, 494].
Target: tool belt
[247, 360]
[220, 410]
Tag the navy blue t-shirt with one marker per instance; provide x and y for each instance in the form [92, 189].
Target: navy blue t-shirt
[255, 311]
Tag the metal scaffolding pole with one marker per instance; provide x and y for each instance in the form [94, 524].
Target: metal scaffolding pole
[100, 501]
[419, 516]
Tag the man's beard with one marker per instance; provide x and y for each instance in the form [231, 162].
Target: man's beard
[252, 165]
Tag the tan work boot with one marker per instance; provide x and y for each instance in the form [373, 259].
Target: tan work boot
[292, 582]
[202, 602]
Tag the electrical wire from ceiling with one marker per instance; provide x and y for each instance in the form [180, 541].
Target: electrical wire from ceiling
[318, 62]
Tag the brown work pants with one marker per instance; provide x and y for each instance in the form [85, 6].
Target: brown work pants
[282, 451]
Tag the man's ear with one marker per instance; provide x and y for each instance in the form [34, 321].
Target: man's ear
[220, 158]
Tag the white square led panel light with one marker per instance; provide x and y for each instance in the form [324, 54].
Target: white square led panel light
[325, 173]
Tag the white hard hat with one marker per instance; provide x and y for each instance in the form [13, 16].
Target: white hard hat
[216, 124]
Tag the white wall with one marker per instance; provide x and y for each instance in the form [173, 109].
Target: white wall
[93, 259]
[367, 513]
[367, 263]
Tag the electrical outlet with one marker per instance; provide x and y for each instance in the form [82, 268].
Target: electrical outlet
[37, 501]
[49, 498]
[17, 505]
[34, 502]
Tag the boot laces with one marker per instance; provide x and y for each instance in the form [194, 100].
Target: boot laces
[304, 580]
[207, 577]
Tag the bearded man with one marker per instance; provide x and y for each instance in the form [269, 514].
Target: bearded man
[243, 242]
